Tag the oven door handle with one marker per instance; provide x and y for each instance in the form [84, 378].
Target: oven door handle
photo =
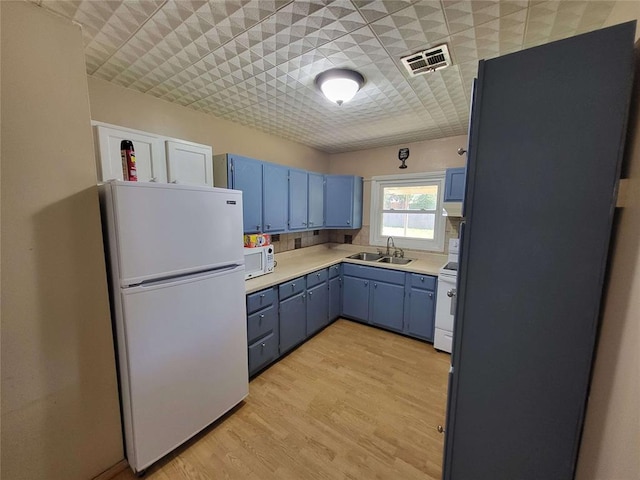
[451, 294]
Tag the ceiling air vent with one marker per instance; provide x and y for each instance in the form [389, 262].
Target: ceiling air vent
[427, 61]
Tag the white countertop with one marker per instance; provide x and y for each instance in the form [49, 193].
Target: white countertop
[295, 263]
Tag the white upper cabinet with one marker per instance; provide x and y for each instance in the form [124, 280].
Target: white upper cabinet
[158, 159]
[150, 158]
[189, 163]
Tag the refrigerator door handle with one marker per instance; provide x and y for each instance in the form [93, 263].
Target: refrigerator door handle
[177, 280]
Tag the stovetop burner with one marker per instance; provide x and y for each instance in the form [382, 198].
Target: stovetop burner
[453, 266]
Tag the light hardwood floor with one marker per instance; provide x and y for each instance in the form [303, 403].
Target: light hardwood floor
[354, 402]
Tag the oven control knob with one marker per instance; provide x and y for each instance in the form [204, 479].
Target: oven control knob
[451, 293]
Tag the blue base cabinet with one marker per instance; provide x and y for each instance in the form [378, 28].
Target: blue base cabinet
[335, 292]
[355, 298]
[317, 301]
[387, 302]
[262, 329]
[293, 313]
[420, 307]
[394, 300]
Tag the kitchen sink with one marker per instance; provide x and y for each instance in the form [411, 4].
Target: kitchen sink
[395, 260]
[368, 256]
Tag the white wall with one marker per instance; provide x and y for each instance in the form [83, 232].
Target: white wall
[128, 108]
[60, 412]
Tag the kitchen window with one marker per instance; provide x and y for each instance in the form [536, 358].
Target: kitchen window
[408, 208]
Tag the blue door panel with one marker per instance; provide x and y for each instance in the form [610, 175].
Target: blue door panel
[297, 200]
[355, 298]
[387, 305]
[275, 197]
[293, 324]
[247, 176]
[317, 308]
[421, 313]
[315, 218]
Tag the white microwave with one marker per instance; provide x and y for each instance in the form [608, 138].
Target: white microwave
[258, 261]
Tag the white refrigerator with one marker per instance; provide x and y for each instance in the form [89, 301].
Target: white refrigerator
[175, 255]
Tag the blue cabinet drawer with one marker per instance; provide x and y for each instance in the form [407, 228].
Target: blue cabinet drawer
[292, 287]
[261, 299]
[263, 352]
[373, 273]
[426, 282]
[334, 271]
[316, 278]
[261, 323]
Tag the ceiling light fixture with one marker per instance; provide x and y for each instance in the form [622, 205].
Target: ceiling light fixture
[339, 84]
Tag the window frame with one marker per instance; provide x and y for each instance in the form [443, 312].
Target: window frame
[378, 183]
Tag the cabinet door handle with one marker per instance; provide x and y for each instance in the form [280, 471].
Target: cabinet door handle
[375, 285]
[310, 293]
[263, 345]
[348, 222]
[318, 275]
[268, 225]
[262, 295]
[258, 227]
[293, 285]
[430, 295]
[262, 315]
[310, 223]
[422, 279]
[366, 284]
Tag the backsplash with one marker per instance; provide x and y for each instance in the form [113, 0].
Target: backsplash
[361, 236]
[288, 241]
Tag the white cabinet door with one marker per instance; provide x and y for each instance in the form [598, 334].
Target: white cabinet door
[150, 157]
[189, 163]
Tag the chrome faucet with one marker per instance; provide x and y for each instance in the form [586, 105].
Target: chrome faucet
[390, 239]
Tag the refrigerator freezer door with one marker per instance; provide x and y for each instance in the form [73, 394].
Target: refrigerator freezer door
[160, 231]
[185, 360]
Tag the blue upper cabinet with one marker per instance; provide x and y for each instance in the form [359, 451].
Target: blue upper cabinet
[454, 184]
[343, 201]
[298, 199]
[274, 197]
[315, 217]
[246, 174]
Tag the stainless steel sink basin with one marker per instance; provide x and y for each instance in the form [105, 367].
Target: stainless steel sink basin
[368, 256]
[395, 260]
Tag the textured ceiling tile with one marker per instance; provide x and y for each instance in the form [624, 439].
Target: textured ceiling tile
[414, 28]
[373, 10]
[462, 15]
[254, 62]
[554, 20]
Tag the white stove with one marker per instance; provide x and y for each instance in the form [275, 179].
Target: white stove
[446, 299]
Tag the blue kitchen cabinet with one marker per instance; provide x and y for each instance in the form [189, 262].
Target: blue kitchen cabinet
[454, 184]
[343, 201]
[420, 306]
[317, 308]
[355, 298]
[315, 217]
[293, 323]
[262, 329]
[274, 197]
[335, 292]
[387, 303]
[246, 174]
[374, 295]
[298, 199]
[293, 313]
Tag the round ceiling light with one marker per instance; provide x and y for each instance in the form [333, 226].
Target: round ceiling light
[339, 84]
